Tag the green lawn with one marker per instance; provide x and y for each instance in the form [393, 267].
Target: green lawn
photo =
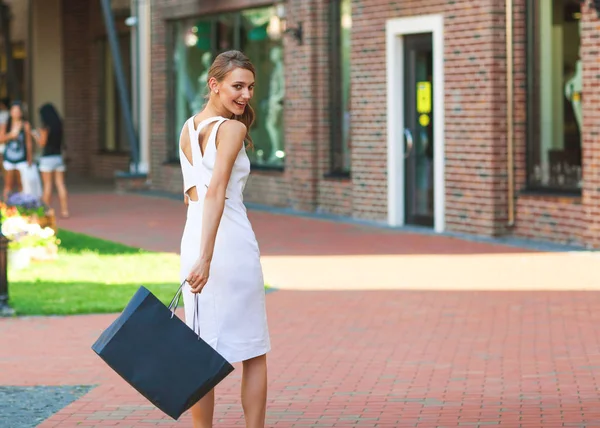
[91, 276]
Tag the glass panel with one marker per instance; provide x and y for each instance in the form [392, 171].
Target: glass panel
[226, 33]
[122, 139]
[346, 31]
[192, 56]
[110, 101]
[256, 33]
[114, 131]
[419, 126]
[555, 154]
[423, 140]
[265, 51]
[340, 23]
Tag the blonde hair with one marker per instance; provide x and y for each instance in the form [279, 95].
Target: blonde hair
[223, 64]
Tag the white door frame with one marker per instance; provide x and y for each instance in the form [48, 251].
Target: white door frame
[395, 30]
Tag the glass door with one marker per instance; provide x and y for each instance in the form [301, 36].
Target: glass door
[418, 129]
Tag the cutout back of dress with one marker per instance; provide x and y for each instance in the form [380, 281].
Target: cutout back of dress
[197, 173]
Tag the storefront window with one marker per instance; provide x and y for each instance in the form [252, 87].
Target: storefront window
[340, 48]
[197, 41]
[112, 126]
[555, 91]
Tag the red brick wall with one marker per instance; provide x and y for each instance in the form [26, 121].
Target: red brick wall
[475, 128]
[83, 26]
[105, 165]
[77, 69]
[164, 176]
[474, 107]
[548, 218]
[569, 220]
[475, 113]
[590, 52]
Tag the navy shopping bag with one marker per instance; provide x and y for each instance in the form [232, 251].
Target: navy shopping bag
[159, 355]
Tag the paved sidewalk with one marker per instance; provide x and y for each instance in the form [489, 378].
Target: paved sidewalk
[300, 253]
[397, 329]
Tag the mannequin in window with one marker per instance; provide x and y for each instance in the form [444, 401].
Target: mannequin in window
[573, 89]
[574, 86]
[202, 83]
[275, 103]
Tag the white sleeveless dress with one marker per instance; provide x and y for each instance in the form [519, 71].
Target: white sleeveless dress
[231, 307]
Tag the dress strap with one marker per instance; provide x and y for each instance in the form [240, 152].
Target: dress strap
[194, 133]
[194, 143]
[187, 166]
[212, 140]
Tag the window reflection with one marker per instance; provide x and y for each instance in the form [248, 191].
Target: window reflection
[556, 86]
[346, 30]
[197, 41]
[340, 28]
[267, 56]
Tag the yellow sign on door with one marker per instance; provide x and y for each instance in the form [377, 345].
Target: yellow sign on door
[423, 97]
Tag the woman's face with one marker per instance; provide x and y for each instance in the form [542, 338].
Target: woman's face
[236, 90]
[16, 112]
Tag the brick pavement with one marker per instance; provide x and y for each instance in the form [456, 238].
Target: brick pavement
[403, 357]
[301, 253]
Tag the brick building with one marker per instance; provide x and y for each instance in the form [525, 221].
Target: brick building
[62, 55]
[467, 116]
[403, 112]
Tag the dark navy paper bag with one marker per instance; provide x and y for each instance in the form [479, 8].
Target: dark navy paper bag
[159, 355]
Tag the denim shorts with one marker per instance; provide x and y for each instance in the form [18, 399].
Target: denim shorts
[52, 163]
[9, 166]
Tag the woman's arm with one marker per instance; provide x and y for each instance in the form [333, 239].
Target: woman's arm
[4, 136]
[28, 143]
[42, 140]
[229, 142]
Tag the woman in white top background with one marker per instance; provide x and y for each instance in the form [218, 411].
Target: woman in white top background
[220, 258]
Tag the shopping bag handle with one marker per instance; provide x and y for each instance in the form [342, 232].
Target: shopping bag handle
[175, 303]
[196, 320]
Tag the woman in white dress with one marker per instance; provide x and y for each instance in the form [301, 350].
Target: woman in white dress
[220, 258]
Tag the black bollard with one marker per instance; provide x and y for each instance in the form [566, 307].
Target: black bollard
[5, 309]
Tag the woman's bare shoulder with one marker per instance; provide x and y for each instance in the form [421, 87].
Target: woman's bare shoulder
[232, 132]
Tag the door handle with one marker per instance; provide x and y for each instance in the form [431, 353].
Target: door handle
[424, 140]
[409, 142]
